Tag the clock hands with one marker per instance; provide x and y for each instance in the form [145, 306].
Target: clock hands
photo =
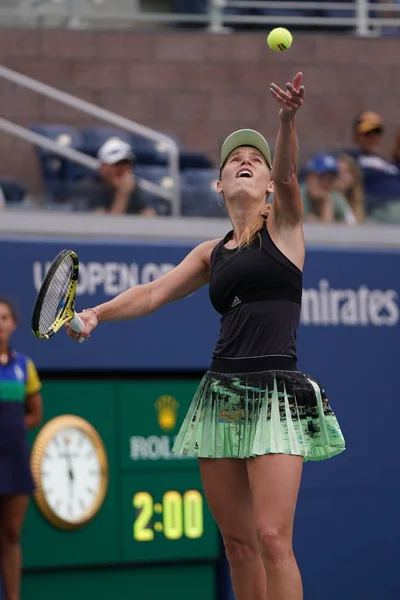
[70, 471]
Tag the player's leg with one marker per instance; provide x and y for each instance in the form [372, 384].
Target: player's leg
[227, 490]
[274, 482]
[12, 514]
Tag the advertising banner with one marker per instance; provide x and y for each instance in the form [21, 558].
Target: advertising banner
[350, 301]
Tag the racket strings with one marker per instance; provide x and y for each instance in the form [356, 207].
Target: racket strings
[56, 295]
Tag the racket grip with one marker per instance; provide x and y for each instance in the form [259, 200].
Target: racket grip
[78, 326]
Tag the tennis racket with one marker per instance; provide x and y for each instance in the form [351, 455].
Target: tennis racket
[55, 302]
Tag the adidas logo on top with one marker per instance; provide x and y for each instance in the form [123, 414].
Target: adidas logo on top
[235, 302]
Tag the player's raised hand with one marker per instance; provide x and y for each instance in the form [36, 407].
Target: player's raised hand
[89, 319]
[291, 100]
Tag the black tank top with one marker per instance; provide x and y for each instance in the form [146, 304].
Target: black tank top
[257, 290]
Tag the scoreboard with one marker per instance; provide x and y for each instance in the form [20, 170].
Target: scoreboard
[136, 506]
[161, 491]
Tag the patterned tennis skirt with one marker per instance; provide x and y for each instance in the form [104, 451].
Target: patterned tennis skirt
[243, 415]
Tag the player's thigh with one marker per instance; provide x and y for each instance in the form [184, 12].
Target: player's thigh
[227, 489]
[274, 480]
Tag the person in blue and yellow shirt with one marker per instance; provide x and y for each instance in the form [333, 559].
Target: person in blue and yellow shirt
[20, 410]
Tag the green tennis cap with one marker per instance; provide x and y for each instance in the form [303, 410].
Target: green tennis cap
[245, 137]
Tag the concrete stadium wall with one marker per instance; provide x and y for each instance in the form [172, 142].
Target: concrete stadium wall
[195, 85]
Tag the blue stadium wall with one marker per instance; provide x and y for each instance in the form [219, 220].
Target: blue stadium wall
[347, 524]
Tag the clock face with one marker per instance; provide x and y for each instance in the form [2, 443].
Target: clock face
[71, 474]
[69, 466]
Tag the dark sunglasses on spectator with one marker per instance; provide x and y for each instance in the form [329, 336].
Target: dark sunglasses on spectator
[373, 132]
[125, 161]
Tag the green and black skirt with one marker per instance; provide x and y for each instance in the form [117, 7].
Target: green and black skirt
[269, 407]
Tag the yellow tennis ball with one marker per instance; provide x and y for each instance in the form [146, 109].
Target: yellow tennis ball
[279, 39]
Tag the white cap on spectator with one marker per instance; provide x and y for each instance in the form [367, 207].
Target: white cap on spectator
[114, 150]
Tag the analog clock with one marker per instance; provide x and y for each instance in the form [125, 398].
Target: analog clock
[69, 466]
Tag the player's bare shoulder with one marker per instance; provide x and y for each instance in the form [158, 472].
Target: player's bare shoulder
[205, 249]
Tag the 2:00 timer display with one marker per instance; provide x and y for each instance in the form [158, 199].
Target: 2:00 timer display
[176, 516]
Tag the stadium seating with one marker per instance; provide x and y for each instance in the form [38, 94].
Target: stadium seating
[147, 152]
[159, 175]
[284, 12]
[201, 7]
[201, 178]
[64, 135]
[59, 174]
[199, 195]
[194, 160]
[293, 12]
[190, 6]
[13, 192]
[94, 137]
[57, 171]
[150, 152]
[346, 12]
[198, 191]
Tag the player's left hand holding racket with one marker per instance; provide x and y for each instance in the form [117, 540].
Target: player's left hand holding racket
[55, 302]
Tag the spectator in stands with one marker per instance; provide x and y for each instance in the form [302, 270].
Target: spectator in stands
[114, 190]
[396, 150]
[20, 410]
[349, 182]
[321, 202]
[381, 177]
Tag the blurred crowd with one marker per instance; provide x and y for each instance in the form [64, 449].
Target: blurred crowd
[358, 183]
[351, 185]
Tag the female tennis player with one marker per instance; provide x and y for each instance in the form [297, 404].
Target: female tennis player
[255, 417]
[20, 409]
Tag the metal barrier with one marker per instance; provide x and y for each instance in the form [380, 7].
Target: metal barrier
[359, 17]
[366, 17]
[171, 147]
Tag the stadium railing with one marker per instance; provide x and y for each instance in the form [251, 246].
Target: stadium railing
[363, 17]
[171, 147]
[360, 15]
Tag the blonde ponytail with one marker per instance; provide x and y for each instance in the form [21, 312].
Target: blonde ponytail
[253, 230]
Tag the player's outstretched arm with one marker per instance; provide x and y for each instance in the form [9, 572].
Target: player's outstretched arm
[190, 275]
[288, 206]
